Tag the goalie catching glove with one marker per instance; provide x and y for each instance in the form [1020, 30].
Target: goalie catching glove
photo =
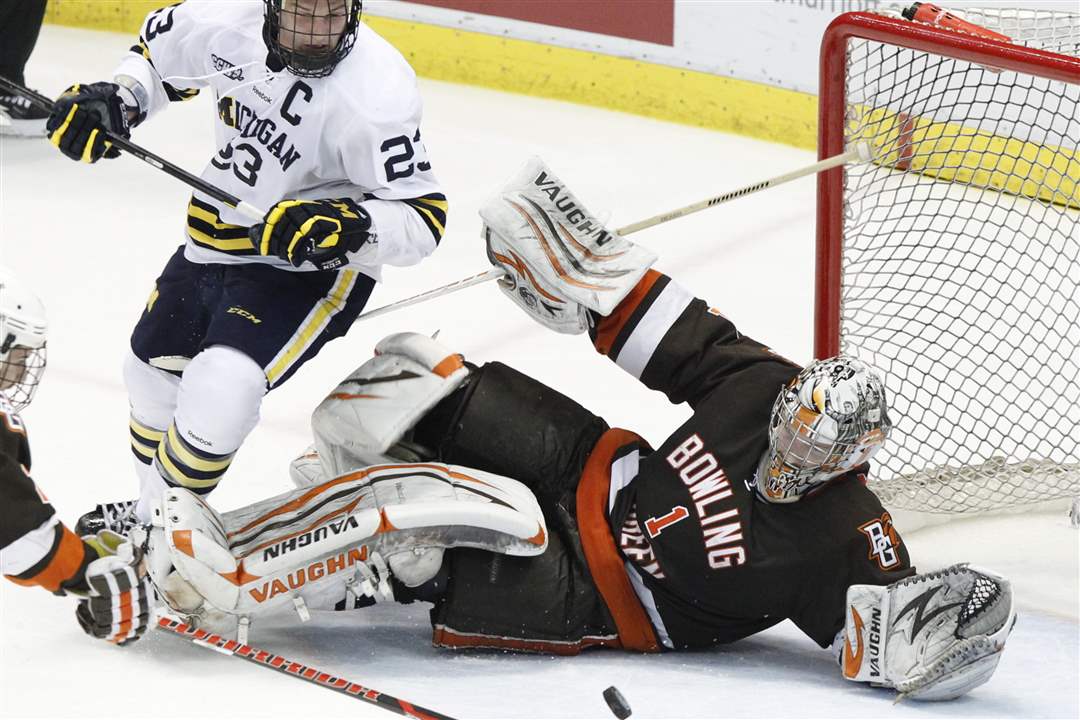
[559, 259]
[320, 231]
[932, 637]
[121, 599]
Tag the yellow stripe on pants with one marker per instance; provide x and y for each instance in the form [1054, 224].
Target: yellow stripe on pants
[312, 327]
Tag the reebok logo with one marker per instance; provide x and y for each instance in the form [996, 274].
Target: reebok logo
[234, 310]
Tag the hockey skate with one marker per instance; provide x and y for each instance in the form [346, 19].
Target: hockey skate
[20, 118]
[118, 517]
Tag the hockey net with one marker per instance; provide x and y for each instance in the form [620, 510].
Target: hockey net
[952, 261]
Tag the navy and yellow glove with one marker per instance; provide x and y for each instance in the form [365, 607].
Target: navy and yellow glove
[319, 231]
[81, 117]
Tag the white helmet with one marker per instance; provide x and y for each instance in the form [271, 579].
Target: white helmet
[22, 340]
[830, 419]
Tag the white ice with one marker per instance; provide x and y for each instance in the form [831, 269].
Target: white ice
[91, 240]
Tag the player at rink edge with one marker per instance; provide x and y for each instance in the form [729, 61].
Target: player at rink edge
[36, 549]
[532, 525]
[318, 119]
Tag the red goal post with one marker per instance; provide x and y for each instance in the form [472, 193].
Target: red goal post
[953, 258]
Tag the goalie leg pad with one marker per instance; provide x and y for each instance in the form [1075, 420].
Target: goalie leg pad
[320, 543]
[377, 403]
[934, 636]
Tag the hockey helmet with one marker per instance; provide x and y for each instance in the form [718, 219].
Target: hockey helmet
[310, 37]
[830, 419]
[22, 340]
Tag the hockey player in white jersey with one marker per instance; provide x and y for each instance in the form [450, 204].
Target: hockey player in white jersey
[318, 119]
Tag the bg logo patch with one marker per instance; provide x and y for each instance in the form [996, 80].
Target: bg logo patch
[883, 541]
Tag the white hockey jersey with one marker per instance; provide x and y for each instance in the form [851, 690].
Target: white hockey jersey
[355, 133]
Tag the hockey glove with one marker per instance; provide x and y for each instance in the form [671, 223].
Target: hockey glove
[934, 636]
[559, 260]
[320, 231]
[81, 117]
[121, 598]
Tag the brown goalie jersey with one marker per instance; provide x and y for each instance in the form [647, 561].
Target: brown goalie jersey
[653, 548]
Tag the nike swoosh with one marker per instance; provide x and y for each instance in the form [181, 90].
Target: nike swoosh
[853, 661]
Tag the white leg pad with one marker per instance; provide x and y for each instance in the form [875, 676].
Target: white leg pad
[306, 469]
[317, 543]
[378, 402]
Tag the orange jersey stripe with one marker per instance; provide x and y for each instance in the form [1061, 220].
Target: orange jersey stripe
[62, 566]
[609, 327]
[443, 636]
[605, 563]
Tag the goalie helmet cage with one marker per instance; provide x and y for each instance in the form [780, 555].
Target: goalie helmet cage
[951, 262]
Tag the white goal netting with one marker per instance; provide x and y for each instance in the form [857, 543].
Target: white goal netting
[961, 266]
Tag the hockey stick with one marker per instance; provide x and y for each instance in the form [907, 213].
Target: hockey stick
[860, 152]
[266, 659]
[148, 157]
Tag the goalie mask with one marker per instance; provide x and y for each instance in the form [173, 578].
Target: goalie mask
[22, 340]
[310, 37]
[830, 419]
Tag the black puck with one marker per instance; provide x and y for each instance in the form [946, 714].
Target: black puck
[617, 703]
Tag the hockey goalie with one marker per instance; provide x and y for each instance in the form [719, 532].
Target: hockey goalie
[530, 524]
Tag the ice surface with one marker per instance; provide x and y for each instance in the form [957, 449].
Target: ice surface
[91, 240]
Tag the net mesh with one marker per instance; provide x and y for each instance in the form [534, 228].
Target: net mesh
[961, 259]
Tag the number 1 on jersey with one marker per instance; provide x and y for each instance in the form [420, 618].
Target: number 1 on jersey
[655, 525]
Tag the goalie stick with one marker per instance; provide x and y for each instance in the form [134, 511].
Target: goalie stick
[307, 673]
[147, 157]
[859, 153]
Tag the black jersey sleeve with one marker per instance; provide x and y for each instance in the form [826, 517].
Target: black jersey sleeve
[21, 507]
[676, 343]
[56, 558]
